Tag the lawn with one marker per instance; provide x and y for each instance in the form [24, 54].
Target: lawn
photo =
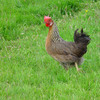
[27, 72]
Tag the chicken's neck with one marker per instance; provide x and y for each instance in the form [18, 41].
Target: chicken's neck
[53, 33]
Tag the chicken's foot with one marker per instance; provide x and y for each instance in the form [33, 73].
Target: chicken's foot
[78, 69]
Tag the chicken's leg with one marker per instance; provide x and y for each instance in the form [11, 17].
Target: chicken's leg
[64, 65]
[78, 69]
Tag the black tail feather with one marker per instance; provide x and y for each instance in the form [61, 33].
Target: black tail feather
[81, 37]
[82, 40]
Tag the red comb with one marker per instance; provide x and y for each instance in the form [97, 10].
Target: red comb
[46, 18]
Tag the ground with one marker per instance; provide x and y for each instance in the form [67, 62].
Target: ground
[27, 72]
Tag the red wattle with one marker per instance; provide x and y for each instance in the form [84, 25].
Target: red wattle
[47, 25]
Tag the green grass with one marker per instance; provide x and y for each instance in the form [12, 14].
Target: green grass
[27, 72]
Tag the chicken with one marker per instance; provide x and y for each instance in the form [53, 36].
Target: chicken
[67, 53]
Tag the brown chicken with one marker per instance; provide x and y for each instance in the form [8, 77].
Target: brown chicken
[67, 53]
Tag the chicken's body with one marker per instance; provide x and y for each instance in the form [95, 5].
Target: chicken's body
[67, 53]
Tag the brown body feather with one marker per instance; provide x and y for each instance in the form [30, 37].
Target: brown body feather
[67, 53]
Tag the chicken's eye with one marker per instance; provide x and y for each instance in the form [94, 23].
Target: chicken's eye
[49, 20]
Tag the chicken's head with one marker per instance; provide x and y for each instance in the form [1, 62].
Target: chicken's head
[48, 21]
